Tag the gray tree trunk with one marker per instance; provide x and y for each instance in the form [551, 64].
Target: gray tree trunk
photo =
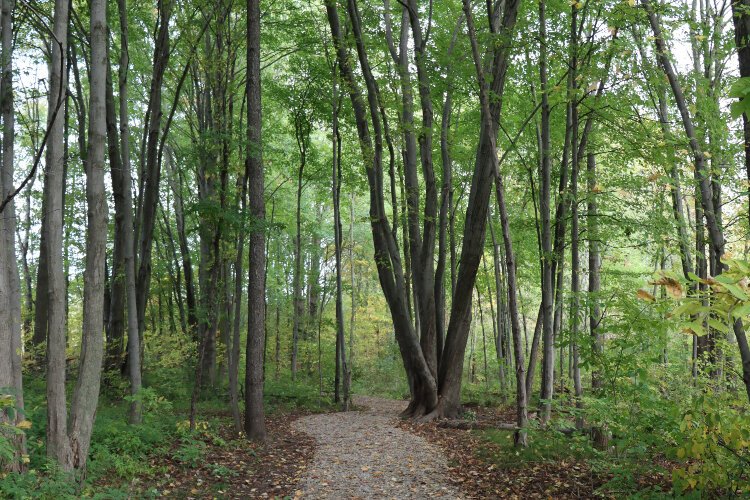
[86, 394]
[58, 446]
[10, 284]
[548, 348]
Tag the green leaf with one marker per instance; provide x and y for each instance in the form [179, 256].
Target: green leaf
[718, 325]
[741, 311]
[688, 307]
[737, 291]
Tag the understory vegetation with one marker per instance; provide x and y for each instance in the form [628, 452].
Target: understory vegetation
[527, 220]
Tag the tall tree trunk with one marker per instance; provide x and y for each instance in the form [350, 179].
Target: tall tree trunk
[58, 446]
[255, 426]
[86, 393]
[503, 357]
[710, 212]
[116, 326]
[134, 339]
[594, 272]
[175, 181]
[297, 307]
[341, 364]
[575, 259]
[10, 284]
[451, 366]
[151, 164]
[387, 254]
[234, 359]
[548, 348]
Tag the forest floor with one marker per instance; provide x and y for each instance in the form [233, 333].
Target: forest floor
[363, 454]
[371, 453]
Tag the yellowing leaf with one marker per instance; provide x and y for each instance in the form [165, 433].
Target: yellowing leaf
[645, 296]
[24, 424]
[673, 287]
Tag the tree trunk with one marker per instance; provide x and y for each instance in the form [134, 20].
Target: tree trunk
[478, 204]
[10, 284]
[175, 181]
[58, 446]
[151, 166]
[387, 255]
[255, 426]
[234, 359]
[86, 393]
[297, 309]
[548, 348]
[116, 326]
[341, 364]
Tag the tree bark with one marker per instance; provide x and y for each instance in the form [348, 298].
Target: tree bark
[58, 446]
[255, 426]
[10, 284]
[86, 393]
[548, 348]
[302, 134]
[485, 168]
[151, 166]
[387, 255]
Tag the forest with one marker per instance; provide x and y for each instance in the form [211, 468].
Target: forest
[374, 249]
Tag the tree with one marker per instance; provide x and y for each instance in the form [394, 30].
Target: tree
[11, 384]
[255, 426]
[711, 212]
[58, 447]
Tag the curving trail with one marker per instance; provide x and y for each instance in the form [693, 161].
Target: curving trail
[362, 455]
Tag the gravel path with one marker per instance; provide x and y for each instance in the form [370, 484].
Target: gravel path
[361, 455]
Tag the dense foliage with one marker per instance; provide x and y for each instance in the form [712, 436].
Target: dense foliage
[590, 214]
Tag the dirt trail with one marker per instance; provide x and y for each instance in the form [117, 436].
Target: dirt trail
[362, 455]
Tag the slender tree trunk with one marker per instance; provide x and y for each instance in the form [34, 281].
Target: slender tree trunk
[255, 426]
[58, 446]
[151, 165]
[575, 260]
[352, 274]
[116, 304]
[710, 212]
[134, 340]
[548, 354]
[175, 180]
[297, 300]
[86, 393]
[10, 284]
[234, 363]
[594, 275]
[341, 364]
